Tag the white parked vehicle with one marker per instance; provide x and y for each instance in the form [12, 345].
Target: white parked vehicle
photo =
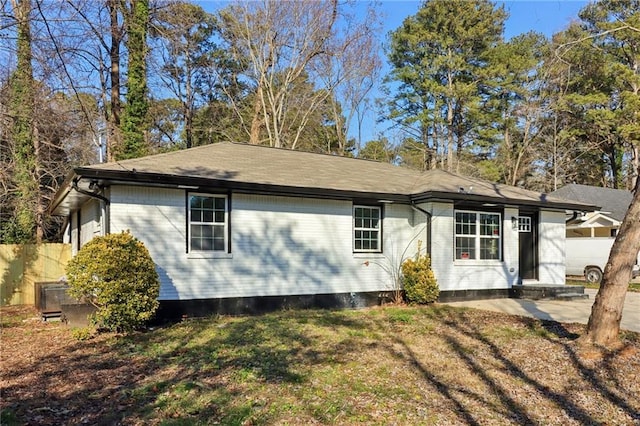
[590, 235]
[588, 257]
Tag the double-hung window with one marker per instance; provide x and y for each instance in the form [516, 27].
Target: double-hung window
[478, 236]
[208, 222]
[367, 229]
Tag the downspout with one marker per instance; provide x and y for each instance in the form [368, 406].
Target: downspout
[97, 196]
[573, 217]
[104, 205]
[429, 216]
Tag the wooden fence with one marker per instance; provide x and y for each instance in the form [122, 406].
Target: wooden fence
[23, 265]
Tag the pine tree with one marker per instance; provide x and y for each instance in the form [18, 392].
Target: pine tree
[438, 57]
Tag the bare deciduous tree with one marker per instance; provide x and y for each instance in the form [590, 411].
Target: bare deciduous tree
[281, 43]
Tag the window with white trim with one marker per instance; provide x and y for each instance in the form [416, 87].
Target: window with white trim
[367, 229]
[478, 235]
[524, 224]
[208, 222]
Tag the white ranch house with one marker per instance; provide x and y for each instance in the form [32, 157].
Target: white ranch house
[235, 227]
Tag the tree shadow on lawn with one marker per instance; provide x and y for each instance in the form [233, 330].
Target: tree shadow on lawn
[587, 373]
[217, 355]
[517, 412]
[509, 406]
[198, 370]
[80, 383]
[196, 362]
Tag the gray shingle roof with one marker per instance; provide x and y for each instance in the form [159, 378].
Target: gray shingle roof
[235, 162]
[264, 169]
[614, 202]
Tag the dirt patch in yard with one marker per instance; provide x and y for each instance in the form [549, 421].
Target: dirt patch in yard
[392, 365]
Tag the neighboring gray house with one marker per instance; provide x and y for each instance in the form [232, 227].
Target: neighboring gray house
[590, 235]
[603, 223]
[236, 226]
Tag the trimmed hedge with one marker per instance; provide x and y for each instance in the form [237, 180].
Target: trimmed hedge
[116, 274]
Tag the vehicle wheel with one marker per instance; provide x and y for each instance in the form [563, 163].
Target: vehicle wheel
[593, 275]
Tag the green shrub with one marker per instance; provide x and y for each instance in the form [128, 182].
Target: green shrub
[116, 274]
[83, 333]
[418, 280]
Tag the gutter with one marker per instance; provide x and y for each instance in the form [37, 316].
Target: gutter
[429, 216]
[477, 198]
[97, 196]
[104, 205]
[222, 183]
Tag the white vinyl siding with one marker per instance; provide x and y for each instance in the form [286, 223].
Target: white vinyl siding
[551, 248]
[453, 274]
[302, 246]
[279, 245]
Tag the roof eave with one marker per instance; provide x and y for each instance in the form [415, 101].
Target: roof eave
[486, 199]
[63, 191]
[201, 183]
[132, 177]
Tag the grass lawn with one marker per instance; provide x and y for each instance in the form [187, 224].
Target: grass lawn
[633, 286]
[392, 365]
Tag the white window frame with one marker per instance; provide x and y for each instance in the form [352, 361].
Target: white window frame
[477, 236]
[377, 229]
[524, 224]
[224, 225]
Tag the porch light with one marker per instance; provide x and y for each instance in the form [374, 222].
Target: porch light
[514, 223]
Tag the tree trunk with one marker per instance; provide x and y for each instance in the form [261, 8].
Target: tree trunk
[449, 136]
[41, 202]
[26, 173]
[114, 139]
[188, 105]
[188, 126]
[635, 151]
[134, 114]
[436, 145]
[604, 323]
[256, 122]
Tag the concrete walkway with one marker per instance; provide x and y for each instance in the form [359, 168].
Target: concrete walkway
[559, 310]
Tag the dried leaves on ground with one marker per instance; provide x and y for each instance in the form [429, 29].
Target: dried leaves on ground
[390, 365]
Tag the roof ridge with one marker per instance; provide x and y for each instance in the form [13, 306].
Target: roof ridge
[593, 186]
[325, 154]
[247, 145]
[159, 155]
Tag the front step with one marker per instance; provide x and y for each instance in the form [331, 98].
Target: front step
[51, 315]
[569, 296]
[548, 291]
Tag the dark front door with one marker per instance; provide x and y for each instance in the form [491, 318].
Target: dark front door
[528, 237]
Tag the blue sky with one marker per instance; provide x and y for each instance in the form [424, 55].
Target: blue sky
[544, 16]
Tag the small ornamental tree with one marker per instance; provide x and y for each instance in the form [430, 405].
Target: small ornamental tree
[418, 280]
[116, 274]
